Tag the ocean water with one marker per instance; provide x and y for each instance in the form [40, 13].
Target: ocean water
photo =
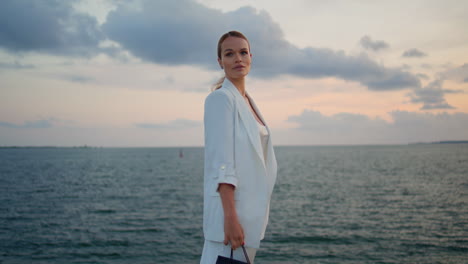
[349, 204]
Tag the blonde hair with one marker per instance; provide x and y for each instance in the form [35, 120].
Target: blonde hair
[235, 34]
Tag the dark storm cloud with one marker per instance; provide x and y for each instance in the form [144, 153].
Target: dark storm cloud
[413, 53]
[186, 32]
[45, 123]
[375, 45]
[50, 26]
[174, 124]
[406, 127]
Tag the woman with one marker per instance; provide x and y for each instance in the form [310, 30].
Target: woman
[240, 163]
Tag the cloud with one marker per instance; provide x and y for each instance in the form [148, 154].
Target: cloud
[77, 78]
[42, 123]
[176, 124]
[423, 76]
[336, 124]
[406, 127]
[413, 53]
[432, 96]
[185, 33]
[426, 66]
[459, 74]
[15, 65]
[369, 44]
[428, 126]
[49, 26]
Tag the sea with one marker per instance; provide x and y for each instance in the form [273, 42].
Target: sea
[331, 204]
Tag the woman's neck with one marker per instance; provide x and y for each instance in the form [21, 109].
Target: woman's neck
[239, 84]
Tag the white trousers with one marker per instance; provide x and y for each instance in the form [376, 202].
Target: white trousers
[212, 249]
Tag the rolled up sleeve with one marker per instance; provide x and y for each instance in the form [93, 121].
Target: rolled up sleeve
[219, 141]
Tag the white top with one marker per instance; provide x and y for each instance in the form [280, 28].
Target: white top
[263, 139]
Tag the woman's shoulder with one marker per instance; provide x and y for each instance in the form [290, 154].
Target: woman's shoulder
[219, 100]
[220, 95]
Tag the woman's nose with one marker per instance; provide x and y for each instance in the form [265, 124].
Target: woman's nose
[238, 57]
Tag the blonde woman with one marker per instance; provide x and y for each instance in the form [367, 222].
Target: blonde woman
[240, 164]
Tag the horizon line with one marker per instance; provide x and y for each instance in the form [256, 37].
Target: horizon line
[278, 145]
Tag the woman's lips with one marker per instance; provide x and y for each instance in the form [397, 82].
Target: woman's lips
[239, 67]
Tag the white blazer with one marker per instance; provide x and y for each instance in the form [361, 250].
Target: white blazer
[234, 155]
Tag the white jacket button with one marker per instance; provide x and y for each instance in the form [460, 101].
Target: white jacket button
[223, 167]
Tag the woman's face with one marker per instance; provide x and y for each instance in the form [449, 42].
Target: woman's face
[235, 57]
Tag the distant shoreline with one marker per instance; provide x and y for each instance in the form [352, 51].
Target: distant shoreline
[442, 142]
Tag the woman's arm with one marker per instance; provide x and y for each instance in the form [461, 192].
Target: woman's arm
[233, 232]
[219, 141]
[219, 161]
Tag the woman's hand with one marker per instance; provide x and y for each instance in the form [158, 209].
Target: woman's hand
[233, 232]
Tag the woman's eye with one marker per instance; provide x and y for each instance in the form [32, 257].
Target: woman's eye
[244, 53]
[228, 54]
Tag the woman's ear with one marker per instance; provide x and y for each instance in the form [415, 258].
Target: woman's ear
[219, 62]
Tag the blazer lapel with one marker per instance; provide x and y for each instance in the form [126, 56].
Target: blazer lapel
[269, 144]
[247, 118]
[270, 159]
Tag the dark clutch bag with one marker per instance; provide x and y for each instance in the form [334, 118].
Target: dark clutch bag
[224, 260]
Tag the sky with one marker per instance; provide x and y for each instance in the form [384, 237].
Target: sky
[115, 73]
